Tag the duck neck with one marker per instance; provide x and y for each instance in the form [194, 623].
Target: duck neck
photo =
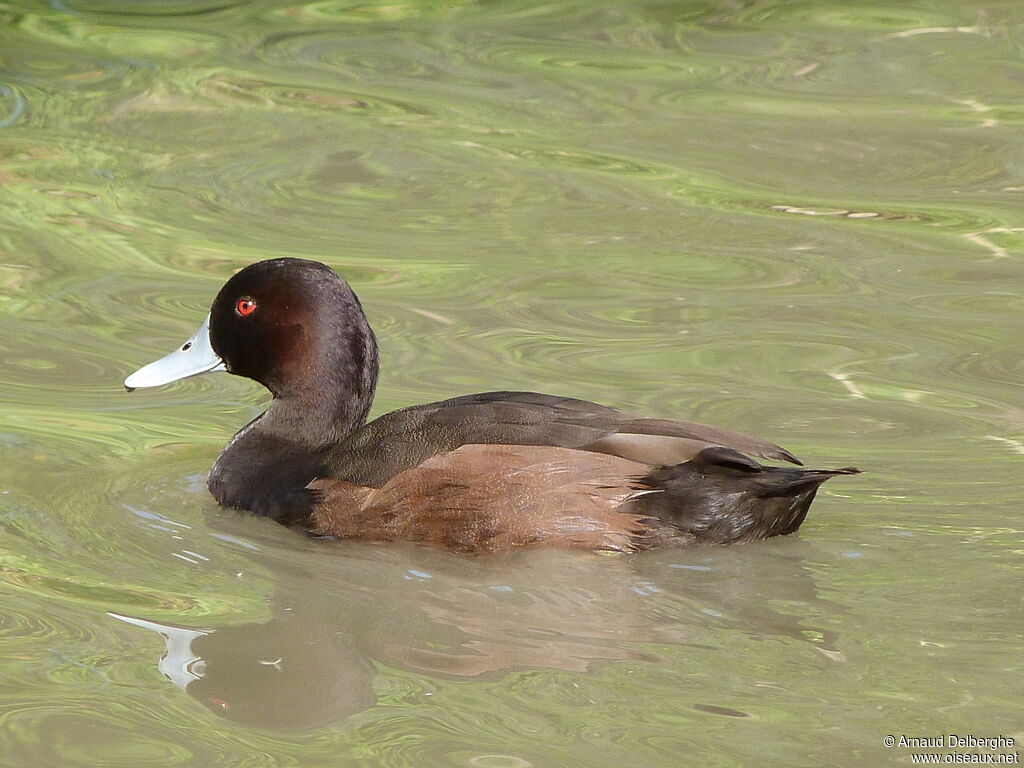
[314, 424]
[332, 398]
[267, 465]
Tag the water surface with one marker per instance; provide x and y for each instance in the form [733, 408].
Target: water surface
[797, 219]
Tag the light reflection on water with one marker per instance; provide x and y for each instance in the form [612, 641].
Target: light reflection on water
[798, 220]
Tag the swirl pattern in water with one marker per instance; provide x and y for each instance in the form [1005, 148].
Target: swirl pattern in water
[797, 219]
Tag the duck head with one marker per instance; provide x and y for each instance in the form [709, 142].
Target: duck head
[292, 325]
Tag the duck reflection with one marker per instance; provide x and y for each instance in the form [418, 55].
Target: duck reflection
[358, 607]
[271, 675]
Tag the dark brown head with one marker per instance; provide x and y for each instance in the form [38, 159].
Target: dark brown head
[295, 327]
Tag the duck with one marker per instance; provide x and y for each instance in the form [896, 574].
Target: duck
[486, 472]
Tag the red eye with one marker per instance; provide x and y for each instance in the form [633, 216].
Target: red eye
[245, 307]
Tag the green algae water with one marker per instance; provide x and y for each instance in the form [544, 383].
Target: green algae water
[801, 220]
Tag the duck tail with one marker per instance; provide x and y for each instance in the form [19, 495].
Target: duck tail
[783, 480]
[724, 497]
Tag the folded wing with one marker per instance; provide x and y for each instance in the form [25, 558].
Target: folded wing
[404, 439]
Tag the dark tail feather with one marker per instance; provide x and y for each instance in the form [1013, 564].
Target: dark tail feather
[722, 498]
[781, 481]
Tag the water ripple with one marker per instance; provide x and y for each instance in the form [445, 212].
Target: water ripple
[16, 108]
[795, 219]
